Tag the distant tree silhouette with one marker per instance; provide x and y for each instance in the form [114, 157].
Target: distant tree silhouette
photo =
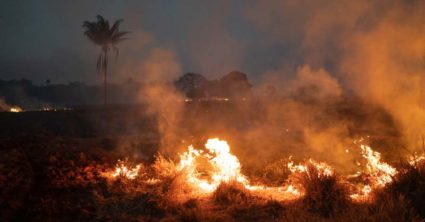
[101, 34]
[234, 84]
[192, 85]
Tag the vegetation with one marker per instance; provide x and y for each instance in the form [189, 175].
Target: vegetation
[326, 195]
[51, 170]
[107, 37]
[65, 182]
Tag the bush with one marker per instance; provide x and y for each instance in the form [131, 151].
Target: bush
[231, 193]
[325, 194]
[410, 185]
[391, 207]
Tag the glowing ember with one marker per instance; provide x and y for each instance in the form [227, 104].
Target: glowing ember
[322, 168]
[363, 195]
[291, 189]
[415, 159]
[125, 171]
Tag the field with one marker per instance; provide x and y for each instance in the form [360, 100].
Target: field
[53, 167]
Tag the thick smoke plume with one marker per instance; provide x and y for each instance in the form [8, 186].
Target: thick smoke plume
[374, 49]
[357, 72]
[385, 64]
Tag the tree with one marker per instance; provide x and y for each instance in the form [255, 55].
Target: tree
[101, 34]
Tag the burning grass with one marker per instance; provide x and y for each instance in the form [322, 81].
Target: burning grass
[324, 192]
[207, 184]
[408, 186]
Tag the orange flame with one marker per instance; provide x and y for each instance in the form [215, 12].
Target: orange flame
[205, 169]
[125, 171]
[224, 168]
[323, 168]
[415, 159]
[15, 109]
[380, 173]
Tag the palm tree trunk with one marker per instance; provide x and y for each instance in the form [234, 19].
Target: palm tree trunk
[105, 83]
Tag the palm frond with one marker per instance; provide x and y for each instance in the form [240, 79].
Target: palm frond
[100, 32]
[100, 18]
[115, 27]
[118, 37]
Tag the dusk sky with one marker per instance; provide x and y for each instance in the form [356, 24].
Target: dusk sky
[44, 39]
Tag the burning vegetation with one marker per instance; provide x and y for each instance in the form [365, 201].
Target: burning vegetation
[332, 134]
[213, 175]
[209, 180]
[204, 170]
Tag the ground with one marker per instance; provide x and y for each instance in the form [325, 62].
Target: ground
[51, 166]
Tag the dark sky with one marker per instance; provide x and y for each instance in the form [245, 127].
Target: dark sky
[44, 39]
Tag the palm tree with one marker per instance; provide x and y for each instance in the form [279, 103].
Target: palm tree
[101, 34]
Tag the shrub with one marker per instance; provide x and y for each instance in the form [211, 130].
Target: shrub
[410, 185]
[325, 194]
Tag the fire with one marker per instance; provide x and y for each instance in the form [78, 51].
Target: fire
[322, 168]
[224, 167]
[123, 170]
[206, 168]
[363, 195]
[380, 172]
[15, 109]
[415, 159]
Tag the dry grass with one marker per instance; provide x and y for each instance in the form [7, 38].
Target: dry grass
[70, 188]
[325, 195]
[408, 187]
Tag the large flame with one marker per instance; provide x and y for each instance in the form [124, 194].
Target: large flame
[379, 173]
[223, 167]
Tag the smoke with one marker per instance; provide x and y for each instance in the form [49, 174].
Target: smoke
[213, 49]
[351, 63]
[4, 107]
[374, 51]
[160, 69]
[385, 64]
[301, 119]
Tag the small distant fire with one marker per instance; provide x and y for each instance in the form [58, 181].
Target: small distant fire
[205, 169]
[15, 109]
